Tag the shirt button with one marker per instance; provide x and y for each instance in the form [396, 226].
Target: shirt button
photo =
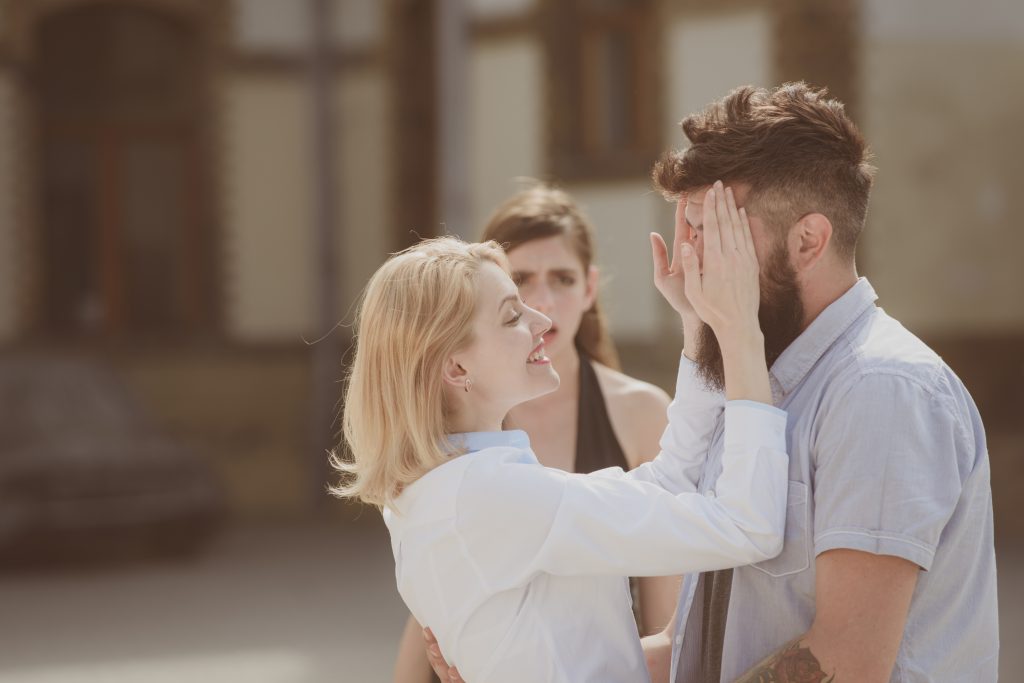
[679, 640]
[710, 493]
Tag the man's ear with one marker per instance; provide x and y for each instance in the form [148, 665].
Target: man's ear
[590, 293]
[454, 374]
[809, 241]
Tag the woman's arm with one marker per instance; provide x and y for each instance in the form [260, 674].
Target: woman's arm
[610, 523]
[637, 412]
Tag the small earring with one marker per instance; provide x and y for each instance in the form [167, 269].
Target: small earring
[469, 384]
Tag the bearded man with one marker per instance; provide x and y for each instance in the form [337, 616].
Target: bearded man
[888, 571]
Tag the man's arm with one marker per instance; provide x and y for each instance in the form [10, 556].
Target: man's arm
[862, 602]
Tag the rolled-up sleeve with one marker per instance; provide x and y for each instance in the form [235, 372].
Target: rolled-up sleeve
[887, 478]
[520, 519]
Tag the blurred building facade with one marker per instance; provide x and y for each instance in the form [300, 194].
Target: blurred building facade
[157, 176]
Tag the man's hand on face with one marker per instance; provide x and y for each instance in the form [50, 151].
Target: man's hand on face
[448, 674]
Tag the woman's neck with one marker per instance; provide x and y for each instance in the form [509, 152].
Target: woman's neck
[472, 423]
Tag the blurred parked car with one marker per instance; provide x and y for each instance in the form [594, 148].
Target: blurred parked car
[85, 475]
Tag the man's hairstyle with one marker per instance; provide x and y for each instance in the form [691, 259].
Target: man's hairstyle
[794, 147]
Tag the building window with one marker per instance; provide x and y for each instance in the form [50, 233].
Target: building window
[126, 233]
[602, 95]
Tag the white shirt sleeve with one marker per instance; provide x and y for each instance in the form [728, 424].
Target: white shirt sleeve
[518, 519]
[692, 417]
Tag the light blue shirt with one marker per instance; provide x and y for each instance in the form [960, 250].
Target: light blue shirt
[887, 456]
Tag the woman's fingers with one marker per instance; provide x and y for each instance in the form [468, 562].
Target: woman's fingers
[734, 219]
[659, 252]
[723, 219]
[682, 231]
[691, 271]
[747, 236]
[712, 235]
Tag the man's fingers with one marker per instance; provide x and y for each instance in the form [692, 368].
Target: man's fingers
[434, 657]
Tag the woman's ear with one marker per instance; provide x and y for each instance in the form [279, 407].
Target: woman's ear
[454, 374]
[590, 293]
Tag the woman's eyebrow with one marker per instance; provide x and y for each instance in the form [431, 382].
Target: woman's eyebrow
[510, 298]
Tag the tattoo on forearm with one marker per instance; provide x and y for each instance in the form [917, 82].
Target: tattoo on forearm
[794, 663]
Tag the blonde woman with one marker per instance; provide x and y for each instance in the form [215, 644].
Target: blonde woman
[517, 568]
[598, 417]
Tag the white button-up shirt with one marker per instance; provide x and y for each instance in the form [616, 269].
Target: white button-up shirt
[519, 569]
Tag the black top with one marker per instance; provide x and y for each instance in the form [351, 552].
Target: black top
[597, 446]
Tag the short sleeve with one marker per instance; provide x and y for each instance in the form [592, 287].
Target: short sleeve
[886, 479]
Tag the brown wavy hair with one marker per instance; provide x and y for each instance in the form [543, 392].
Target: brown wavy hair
[543, 211]
[797, 150]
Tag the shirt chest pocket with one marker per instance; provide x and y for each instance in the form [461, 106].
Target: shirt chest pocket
[796, 549]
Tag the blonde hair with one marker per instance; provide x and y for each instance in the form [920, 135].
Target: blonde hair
[416, 311]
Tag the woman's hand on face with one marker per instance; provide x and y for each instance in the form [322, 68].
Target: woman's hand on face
[727, 294]
[670, 279]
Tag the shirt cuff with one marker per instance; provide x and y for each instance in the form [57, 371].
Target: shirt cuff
[754, 425]
[876, 543]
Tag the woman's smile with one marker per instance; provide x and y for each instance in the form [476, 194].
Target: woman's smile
[537, 356]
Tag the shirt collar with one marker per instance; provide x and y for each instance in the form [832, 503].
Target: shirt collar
[799, 357]
[478, 441]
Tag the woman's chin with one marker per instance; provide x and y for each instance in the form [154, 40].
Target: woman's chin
[543, 382]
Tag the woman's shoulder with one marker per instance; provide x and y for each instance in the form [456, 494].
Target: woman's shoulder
[621, 388]
[637, 412]
[501, 469]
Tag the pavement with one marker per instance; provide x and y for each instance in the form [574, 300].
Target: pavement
[281, 603]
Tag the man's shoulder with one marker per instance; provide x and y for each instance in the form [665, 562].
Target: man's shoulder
[882, 346]
[879, 358]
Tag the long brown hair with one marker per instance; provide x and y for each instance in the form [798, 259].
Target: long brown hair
[542, 211]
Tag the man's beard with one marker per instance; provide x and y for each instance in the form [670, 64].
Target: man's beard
[781, 315]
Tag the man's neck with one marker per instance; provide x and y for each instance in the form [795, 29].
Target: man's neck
[822, 291]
